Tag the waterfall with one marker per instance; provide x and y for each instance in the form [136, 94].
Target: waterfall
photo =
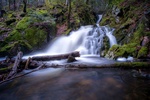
[87, 40]
[109, 34]
[99, 19]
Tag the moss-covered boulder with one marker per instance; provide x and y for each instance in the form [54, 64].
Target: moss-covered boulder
[12, 48]
[30, 33]
[122, 51]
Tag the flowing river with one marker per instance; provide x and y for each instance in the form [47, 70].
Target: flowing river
[79, 84]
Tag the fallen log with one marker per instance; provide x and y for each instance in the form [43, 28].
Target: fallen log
[56, 57]
[17, 76]
[27, 63]
[16, 64]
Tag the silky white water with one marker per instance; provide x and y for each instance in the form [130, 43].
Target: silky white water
[88, 40]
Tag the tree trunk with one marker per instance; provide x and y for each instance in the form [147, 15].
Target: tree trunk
[87, 2]
[14, 5]
[56, 57]
[25, 6]
[66, 2]
[9, 4]
[69, 13]
[1, 5]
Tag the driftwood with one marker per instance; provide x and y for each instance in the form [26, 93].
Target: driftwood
[16, 64]
[36, 69]
[124, 65]
[27, 63]
[56, 57]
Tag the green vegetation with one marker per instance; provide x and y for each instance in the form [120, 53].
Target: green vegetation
[142, 52]
[131, 26]
[132, 65]
[122, 51]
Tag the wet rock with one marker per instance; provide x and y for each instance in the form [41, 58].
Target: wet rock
[121, 59]
[130, 59]
[115, 11]
[110, 55]
[71, 59]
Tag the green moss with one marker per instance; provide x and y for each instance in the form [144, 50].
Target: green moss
[114, 47]
[142, 52]
[8, 47]
[120, 53]
[14, 35]
[24, 23]
[42, 12]
[130, 49]
[24, 45]
[11, 15]
[116, 2]
[123, 51]
[139, 32]
[12, 48]
[133, 65]
[38, 36]
[127, 23]
[104, 21]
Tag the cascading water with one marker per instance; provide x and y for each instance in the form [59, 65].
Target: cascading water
[88, 40]
[109, 34]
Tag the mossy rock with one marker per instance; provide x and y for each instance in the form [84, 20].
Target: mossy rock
[8, 22]
[12, 48]
[15, 35]
[111, 52]
[38, 36]
[122, 51]
[35, 36]
[24, 23]
[143, 52]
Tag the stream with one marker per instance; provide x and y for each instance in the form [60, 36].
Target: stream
[77, 84]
